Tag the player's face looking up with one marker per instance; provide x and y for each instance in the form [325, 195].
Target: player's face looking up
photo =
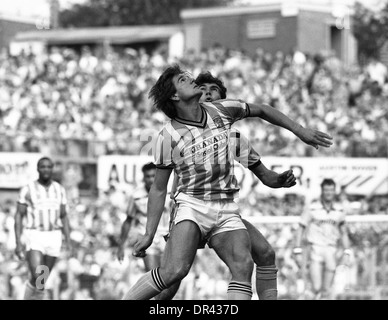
[148, 178]
[185, 86]
[328, 193]
[210, 92]
[45, 169]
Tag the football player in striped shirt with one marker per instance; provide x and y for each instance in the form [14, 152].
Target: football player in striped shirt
[262, 252]
[195, 143]
[323, 226]
[43, 204]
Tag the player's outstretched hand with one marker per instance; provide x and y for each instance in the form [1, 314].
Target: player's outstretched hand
[120, 253]
[142, 245]
[287, 179]
[315, 138]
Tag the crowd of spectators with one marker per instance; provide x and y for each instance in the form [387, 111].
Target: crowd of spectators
[90, 103]
[95, 102]
[92, 271]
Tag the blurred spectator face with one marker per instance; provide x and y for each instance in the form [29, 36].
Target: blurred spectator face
[148, 178]
[328, 193]
[210, 92]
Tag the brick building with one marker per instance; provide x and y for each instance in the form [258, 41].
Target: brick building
[276, 25]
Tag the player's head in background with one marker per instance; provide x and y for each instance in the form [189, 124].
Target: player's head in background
[328, 192]
[45, 168]
[212, 88]
[149, 170]
[174, 85]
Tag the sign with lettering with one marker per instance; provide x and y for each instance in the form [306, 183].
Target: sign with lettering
[359, 176]
[17, 169]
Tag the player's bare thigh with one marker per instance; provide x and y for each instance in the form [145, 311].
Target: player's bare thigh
[180, 252]
[234, 248]
[37, 267]
[262, 252]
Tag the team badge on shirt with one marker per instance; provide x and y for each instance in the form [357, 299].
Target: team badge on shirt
[218, 122]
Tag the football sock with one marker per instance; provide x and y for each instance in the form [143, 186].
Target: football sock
[266, 282]
[39, 294]
[148, 286]
[239, 290]
[29, 291]
[32, 293]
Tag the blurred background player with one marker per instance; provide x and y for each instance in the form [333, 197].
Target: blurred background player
[43, 203]
[134, 225]
[323, 226]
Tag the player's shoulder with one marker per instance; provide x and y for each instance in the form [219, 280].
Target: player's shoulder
[28, 185]
[222, 103]
[58, 186]
[139, 192]
[166, 125]
[338, 206]
[169, 128]
[57, 183]
[316, 204]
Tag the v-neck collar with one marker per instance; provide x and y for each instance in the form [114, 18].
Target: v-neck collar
[201, 123]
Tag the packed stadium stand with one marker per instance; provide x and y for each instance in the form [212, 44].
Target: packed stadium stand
[87, 103]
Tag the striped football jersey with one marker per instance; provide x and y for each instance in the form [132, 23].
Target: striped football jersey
[243, 151]
[43, 205]
[200, 152]
[323, 225]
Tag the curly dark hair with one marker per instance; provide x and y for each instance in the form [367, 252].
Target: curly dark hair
[207, 77]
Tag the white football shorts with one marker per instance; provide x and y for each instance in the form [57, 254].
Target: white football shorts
[211, 216]
[47, 242]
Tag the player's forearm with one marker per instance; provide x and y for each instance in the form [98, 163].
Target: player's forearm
[66, 229]
[124, 232]
[270, 179]
[156, 202]
[299, 237]
[274, 116]
[266, 176]
[18, 228]
[345, 241]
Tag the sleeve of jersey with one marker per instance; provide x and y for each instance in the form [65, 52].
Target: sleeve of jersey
[233, 109]
[163, 151]
[23, 194]
[63, 196]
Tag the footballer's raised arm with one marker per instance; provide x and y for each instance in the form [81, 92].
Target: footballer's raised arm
[309, 136]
